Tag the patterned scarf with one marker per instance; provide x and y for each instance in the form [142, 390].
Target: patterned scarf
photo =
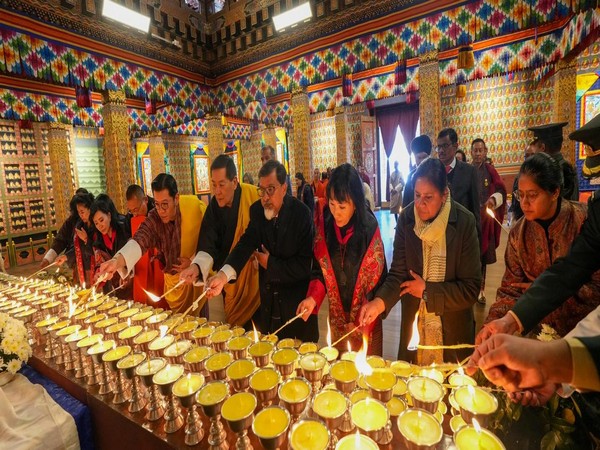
[433, 237]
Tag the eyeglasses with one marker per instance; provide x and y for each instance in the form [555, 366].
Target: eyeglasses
[268, 190]
[445, 146]
[164, 206]
[530, 196]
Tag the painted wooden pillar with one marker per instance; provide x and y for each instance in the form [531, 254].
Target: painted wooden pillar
[343, 149]
[60, 162]
[157, 154]
[430, 104]
[565, 95]
[214, 127]
[118, 155]
[301, 140]
[269, 136]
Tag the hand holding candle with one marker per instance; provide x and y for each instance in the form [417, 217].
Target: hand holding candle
[493, 216]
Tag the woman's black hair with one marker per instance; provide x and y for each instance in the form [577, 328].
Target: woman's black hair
[300, 177]
[344, 184]
[104, 204]
[434, 171]
[464, 155]
[81, 199]
[545, 172]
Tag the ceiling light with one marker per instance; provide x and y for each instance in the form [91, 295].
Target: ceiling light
[125, 15]
[292, 16]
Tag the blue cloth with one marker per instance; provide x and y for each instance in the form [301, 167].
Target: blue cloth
[79, 411]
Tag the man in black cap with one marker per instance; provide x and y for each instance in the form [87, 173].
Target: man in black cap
[548, 292]
[550, 141]
[420, 147]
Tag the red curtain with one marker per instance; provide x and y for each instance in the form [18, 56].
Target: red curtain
[406, 117]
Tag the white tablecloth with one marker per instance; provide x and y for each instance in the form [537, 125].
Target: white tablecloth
[30, 419]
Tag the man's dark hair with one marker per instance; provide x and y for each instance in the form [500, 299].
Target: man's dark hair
[475, 141]
[270, 166]
[421, 144]
[136, 191]
[165, 181]
[81, 191]
[451, 133]
[271, 150]
[224, 162]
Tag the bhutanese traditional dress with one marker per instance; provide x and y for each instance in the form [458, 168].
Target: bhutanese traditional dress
[221, 230]
[532, 247]
[148, 273]
[105, 246]
[81, 255]
[351, 266]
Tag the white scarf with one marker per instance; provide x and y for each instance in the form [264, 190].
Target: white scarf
[433, 238]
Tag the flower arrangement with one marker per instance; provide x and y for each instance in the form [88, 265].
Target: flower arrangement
[14, 344]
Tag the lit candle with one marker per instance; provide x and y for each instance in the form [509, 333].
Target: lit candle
[145, 337]
[239, 343]
[203, 332]
[218, 337]
[238, 407]
[369, 415]
[132, 360]
[475, 400]
[188, 385]
[153, 366]
[308, 347]
[458, 379]
[212, 393]
[476, 438]
[331, 353]
[356, 441]
[89, 341]
[265, 379]
[309, 434]
[101, 347]
[169, 374]
[284, 356]
[419, 427]
[186, 327]
[381, 380]
[177, 349]
[116, 353]
[130, 332]
[197, 354]
[68, 330]
[271, 422]
[218, 361]
[294, 390]
[344, 371]
[161, 342]
[117, 310]
[329, 404]
[106, 322]
[432, 373]
[240, 369]
[425, 389]
[261, 348]
[141, 316]
[312, 362]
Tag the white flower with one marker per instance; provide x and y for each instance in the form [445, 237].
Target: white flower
[14, 365]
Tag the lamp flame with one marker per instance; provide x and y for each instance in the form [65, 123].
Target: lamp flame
[328, 333]
[349, 346]
[129, 322]
[476, 425]
[415, 338]
[163, 330]
[360, 362]
[152, 297]
[490, 212]
[254, 332]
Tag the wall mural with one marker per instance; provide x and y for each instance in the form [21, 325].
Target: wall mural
[323, 145]
[499, 110]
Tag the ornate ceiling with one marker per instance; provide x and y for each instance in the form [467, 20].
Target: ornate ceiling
[204, 41]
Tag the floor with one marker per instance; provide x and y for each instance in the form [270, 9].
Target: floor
[391, 326]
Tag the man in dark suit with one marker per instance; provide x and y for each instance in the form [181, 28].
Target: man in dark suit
[462, 177]
[280, 236]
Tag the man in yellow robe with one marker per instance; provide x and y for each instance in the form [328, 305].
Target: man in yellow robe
[226, 219]
[172, 227]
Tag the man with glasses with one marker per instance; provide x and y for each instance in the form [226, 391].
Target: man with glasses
[224, 223]
[147, 274]
[462, 177]
[172, 227]
[280, 236]
[268, 154]
[420, 147]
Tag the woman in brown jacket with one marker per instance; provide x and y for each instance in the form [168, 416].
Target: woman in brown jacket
[435, 270]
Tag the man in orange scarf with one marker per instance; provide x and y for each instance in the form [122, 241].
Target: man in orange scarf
[226, 219]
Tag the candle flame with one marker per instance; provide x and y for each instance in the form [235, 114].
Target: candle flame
[357, 439]
[163, 330]
[360, 362]
[349, 346]
[328, 333]
[83, 285]
[414, 340]
[470, 389]
[255, 332]
[460, 371]
[490, 213]
[89, 330]
[476, 425]
[152, 296]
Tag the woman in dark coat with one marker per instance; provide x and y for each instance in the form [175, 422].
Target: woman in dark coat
[435, 270]
[304, 192]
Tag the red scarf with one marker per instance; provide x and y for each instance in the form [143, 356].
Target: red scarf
[369, 273]
[79, 260]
